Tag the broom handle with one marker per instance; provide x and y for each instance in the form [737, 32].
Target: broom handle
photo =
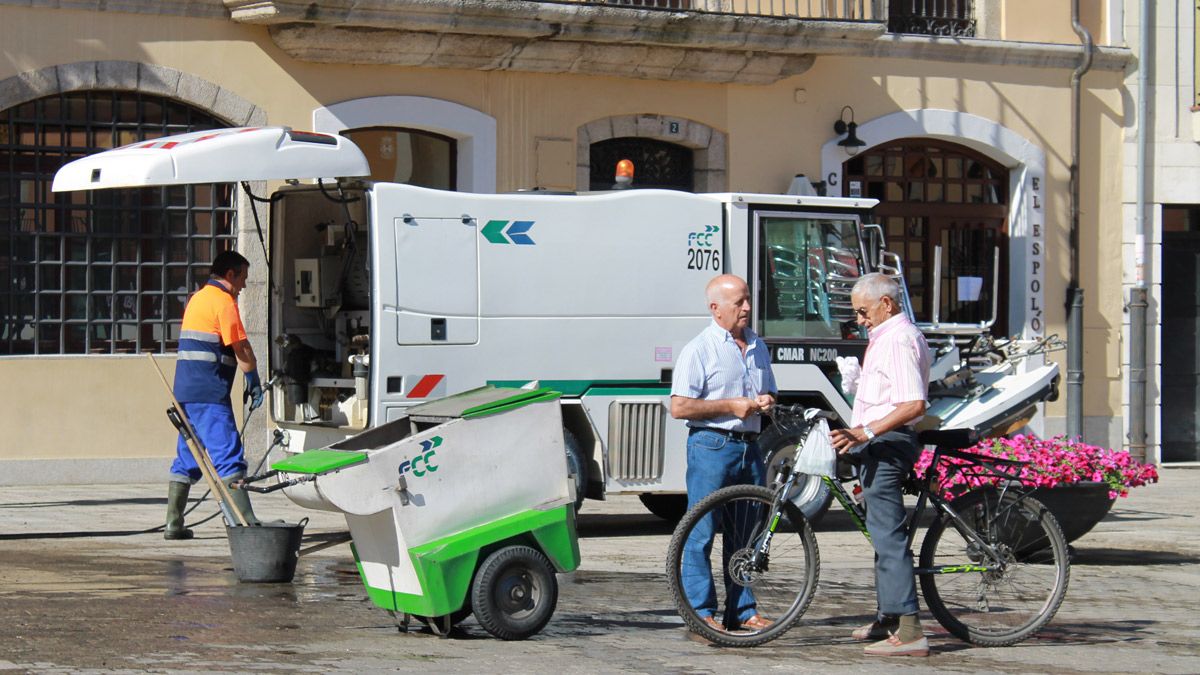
[203, 461]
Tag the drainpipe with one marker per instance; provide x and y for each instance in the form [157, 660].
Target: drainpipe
[1138, 301]
[1074, 292]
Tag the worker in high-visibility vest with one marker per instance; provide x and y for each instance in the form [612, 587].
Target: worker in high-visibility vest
[212, 348]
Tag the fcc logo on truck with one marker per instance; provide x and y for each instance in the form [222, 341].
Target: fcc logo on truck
[703, 252]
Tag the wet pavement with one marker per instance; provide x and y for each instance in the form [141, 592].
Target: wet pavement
[81, 590]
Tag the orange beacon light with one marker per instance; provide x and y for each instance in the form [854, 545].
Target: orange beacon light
[624, 174]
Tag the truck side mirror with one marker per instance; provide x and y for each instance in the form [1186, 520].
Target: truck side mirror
[873, 244]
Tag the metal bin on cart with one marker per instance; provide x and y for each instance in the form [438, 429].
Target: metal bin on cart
[463, 505]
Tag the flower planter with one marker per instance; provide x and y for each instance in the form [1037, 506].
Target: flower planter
[1077, 482]
[1077, 507]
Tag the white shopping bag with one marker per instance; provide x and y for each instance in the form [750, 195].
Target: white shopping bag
[850, 370]
[817, 456]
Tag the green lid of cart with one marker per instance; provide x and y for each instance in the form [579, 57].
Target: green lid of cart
[319, 461]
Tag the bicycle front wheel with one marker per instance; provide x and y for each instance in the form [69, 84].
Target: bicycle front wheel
[752, 565]
[995, 602]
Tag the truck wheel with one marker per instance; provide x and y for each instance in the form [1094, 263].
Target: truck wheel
[514, 592]
[809, 494]
[576, 466]
[668, 507]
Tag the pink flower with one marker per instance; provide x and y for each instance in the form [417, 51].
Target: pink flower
[1048, 462]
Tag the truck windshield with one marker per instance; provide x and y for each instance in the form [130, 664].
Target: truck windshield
[807, 267]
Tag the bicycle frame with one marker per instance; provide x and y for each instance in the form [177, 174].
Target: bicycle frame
[983, 466]
[925, 494]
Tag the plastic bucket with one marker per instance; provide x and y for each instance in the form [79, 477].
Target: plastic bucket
[266, 552]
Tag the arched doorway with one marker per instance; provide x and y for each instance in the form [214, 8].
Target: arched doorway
[935, 193]
[106, 272]
[467, 135]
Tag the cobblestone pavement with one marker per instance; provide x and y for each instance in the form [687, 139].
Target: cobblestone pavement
[118, 601]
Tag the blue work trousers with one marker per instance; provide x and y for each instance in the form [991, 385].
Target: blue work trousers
[715, 461]
[886, 461]
[215, 425]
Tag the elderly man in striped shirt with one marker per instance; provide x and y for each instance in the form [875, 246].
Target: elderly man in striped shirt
[889, 400]
[721, 385]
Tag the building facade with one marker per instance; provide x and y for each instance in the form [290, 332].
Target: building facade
[965, 114]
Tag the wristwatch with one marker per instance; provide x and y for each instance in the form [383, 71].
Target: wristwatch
[867, 431]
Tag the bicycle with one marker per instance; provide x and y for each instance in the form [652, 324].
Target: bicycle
[993, 566]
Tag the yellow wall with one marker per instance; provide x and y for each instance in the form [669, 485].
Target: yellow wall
[1050, 20]
[86, 407]
[65, 407]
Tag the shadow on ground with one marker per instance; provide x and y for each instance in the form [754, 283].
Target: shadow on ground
[1116, 557]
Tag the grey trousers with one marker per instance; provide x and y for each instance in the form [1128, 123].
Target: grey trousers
[886, 461]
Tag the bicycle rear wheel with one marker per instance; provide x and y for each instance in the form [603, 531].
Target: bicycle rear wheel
[1018, 594]
[778, 585]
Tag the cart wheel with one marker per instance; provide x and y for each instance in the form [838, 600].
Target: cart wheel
[514, 592]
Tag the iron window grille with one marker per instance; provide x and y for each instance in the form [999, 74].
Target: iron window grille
[942, 18]
[656, 164]
[104, 272]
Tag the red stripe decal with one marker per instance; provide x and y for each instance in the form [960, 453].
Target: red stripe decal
[168, 145]
[425, 386]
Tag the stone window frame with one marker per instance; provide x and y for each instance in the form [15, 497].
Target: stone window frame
[708, 145]
[131, 76]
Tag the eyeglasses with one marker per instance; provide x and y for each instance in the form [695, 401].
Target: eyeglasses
[862, 311]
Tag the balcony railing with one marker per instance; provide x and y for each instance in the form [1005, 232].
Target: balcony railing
[949, 18]
[834, 10]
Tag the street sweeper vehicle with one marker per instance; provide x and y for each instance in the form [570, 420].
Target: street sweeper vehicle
[384, 296]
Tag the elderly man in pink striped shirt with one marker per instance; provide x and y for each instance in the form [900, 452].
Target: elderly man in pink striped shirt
[889, 399]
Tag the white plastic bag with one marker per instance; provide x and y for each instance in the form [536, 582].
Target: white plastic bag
[817, 457]
[850, 370]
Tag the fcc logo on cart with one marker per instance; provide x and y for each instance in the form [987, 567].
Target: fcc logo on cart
[423, 462]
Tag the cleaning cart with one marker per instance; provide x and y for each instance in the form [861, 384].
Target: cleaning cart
[461, 506]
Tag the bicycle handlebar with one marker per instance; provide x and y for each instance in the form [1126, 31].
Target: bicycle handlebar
[809, 414]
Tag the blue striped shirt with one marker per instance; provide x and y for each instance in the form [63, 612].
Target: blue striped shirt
[712, 367]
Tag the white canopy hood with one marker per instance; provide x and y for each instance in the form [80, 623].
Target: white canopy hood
[217, 156]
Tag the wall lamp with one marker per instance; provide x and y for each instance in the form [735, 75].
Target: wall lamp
[851, 142]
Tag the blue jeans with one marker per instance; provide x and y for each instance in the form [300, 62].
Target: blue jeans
[715, 461]
[215, 425]
[886, 461]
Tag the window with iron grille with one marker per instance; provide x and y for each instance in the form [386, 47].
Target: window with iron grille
[656, 164]
[109, 271]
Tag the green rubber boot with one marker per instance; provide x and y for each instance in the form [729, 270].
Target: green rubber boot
[241, 499]
[177, 494]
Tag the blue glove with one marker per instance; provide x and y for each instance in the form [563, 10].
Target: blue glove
[253, 389]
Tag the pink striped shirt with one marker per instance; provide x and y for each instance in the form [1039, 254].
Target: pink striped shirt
[895, 370]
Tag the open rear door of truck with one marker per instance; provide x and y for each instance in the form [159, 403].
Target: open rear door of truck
[216, 156]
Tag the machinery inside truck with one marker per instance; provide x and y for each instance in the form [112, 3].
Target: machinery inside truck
[320, 306]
